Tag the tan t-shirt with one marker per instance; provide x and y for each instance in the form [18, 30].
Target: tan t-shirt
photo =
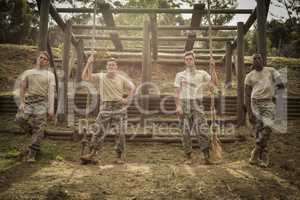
[262, 82]
[38, 82]
[113, 89]
[192, 84]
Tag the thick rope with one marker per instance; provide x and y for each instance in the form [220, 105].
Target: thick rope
[216, 146]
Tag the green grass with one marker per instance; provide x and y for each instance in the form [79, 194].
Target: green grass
[7, 164]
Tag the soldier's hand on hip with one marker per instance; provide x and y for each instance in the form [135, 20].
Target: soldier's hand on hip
[124, 101]
[21, 106]
[50, 116]
[179, 111]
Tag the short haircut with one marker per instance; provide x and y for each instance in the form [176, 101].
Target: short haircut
[111, 60]
[46, 54]
[187, 53]
[257, 55]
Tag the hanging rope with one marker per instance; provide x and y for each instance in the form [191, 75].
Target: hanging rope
[216, 144]
[93, 52]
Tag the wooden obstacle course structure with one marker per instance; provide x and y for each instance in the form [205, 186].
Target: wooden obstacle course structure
[152, 51]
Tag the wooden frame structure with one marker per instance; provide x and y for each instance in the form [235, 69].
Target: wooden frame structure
[152, 51]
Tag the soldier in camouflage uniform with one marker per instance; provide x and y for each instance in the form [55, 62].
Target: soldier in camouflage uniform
[188, 87]
[113, 114]
[36, 100]
[260, 85]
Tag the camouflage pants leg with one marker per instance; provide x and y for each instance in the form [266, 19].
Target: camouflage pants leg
[264, 111]
[34, 124]
[119, 122]
[200, 128]
[33, 119]
[23, 120]
[39, 123]
[186, 127]
[111, 119]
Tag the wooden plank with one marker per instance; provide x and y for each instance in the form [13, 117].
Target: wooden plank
[139, 55]
[174, 49]
[109, 21]
[101, 37]
[240, 75]
[181, 61]
[121, 28]
[203, 39]
[44, 18]
[228, 65]
[160, 28]
[195, 22]
[113, 49]
[201, 28]
[170, 38]
[153, 10]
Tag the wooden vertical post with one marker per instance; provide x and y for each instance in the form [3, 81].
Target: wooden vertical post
[146, 69]
[109, 21]
[44, 18]
[228, 65]
[63, 102]
[195, 22]
[80, 59]
[153, 21]
[261, 12]
[240, 75]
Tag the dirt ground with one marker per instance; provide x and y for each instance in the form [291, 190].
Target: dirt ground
[153, 171]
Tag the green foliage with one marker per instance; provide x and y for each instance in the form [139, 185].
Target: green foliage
[16, 21]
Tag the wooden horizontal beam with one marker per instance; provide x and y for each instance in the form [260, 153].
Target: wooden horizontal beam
[200, 28]
[170, 49]
[154, 10]
[181, 61]
[161, 28]
[97, 27]
[133, 38]
[98, 37]
[160, 55]
[176, 49]
[113, 49]
[196, 39]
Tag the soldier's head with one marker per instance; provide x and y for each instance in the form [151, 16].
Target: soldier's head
[111, 65]
[257, 62]
[189, 58]
[43, 59]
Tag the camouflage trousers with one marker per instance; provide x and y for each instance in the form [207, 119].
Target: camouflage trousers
[264, 113]
[112, 118]
[193, 122]
[33, 120]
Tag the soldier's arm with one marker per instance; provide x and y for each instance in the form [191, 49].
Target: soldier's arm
[87, 74]
[23, 87]
[248, 91]
[51, 96]
[131, 91]
[177, 85]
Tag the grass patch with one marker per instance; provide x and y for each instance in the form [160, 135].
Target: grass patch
[7, 164]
